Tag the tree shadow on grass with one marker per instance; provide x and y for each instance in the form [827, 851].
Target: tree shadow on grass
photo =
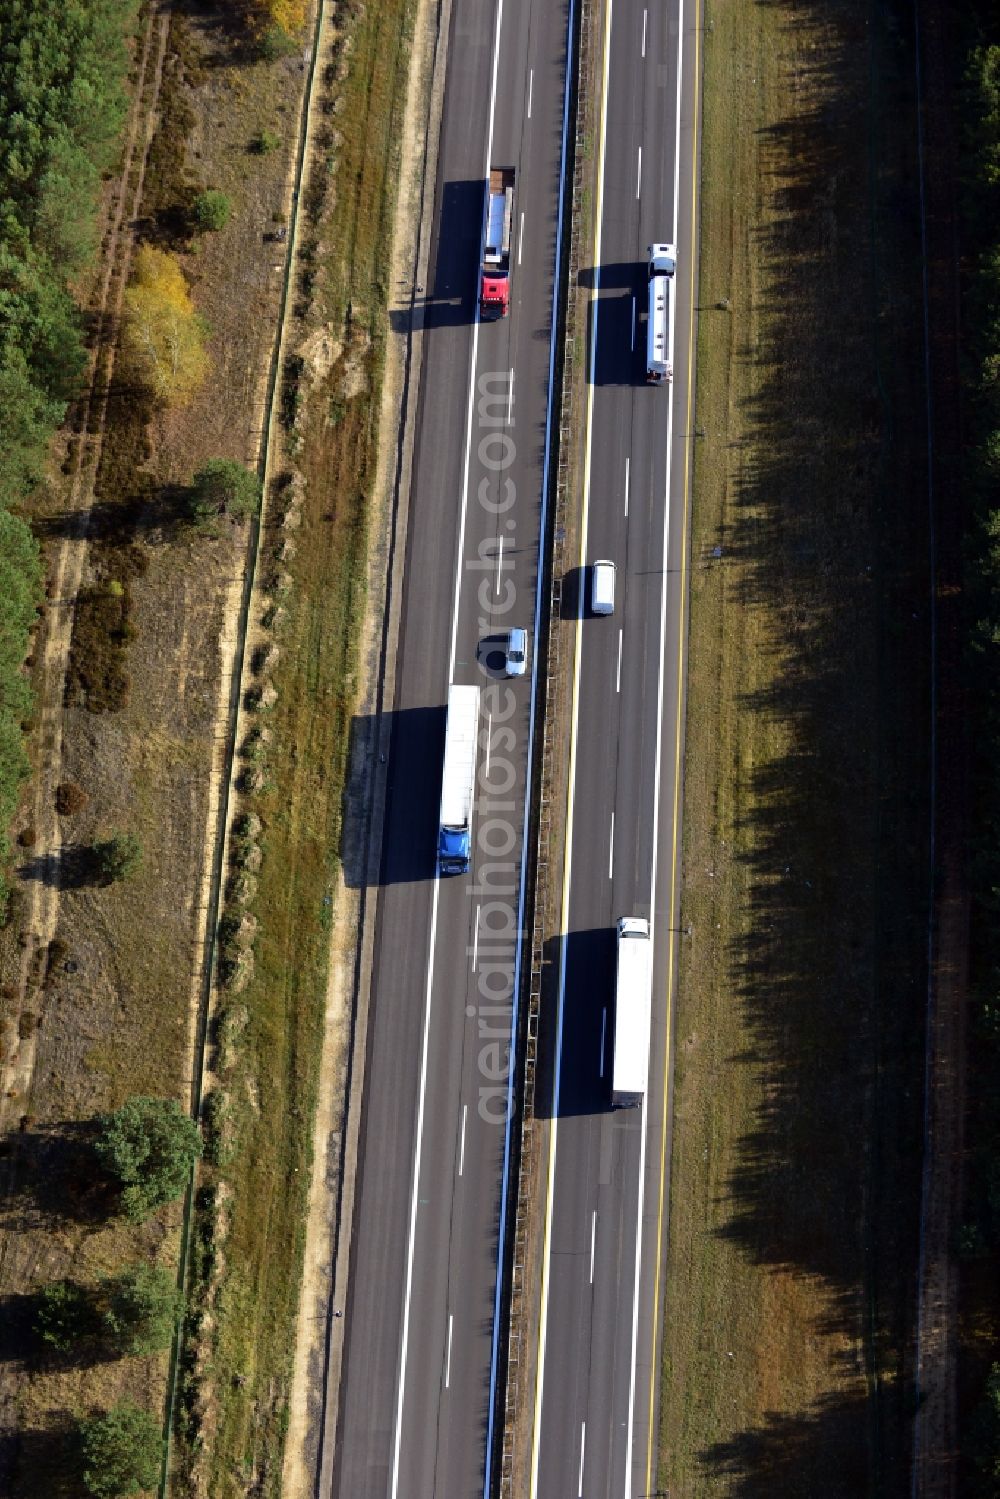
[49, 1177]
[824, 548]
[45, 1460]
[798, 1457]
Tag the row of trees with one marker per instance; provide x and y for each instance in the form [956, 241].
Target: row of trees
[145, 1150]
[980, 1235]
[62, 69]
[62, 66]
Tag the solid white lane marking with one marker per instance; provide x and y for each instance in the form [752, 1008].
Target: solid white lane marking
[567, 856]
[447, 1362]
[520, 239]
[489, 743]
[645, 17]
[618, 678]
[475, 940]
[633, 322]
[510, 399]
[461, 1148]
[611, 851]
[531, 88]
[604, 1032]
[583, 1445]
[593, 1241]
[422, 1091]
[626, 485]
[499, 563]
[638, 175]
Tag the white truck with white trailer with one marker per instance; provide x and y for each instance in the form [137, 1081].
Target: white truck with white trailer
[458, 783]
[659, 328]
[633, 1013]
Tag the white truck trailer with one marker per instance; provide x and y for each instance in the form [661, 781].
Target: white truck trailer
[494, 278]
[458, 783]
[659, 327]
[633, 1013]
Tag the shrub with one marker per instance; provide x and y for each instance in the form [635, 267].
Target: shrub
[275, 43]
[66, 1317]
[148, 1148]
[144, 1305]
[122, 1451]
[70, 798]
[224, 487]
[264, 142]
[210, 211]
[117, 857]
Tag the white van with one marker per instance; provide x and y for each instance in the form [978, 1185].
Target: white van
[602, 588]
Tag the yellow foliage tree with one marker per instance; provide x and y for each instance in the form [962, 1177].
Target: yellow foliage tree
[163, 333]
[290, 15]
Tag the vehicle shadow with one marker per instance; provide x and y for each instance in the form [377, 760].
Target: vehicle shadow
[449, 299]
[587, 1029]
[409, 781]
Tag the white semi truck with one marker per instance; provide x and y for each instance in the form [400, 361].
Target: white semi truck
[458, 783]
[660, 276]
[633, 1013]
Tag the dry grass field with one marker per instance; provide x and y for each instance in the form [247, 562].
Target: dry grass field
[799, 1057]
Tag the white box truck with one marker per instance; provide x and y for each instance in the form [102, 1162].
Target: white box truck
[494, 277]
[633, 1013]
[660, 276]
[458, 783]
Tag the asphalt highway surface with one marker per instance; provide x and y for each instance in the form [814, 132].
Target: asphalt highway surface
[420, 1351]
[602, 1295]
[416, 1404]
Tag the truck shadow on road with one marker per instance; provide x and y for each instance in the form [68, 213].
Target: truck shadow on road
[393, 764]
[449, 298]
[587, 1028]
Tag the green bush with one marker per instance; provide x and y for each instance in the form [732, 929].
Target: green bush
[117, 857]
[224, 487]
[275, 43]
[66, 1317]
[122, 1451]
[143, 1308]
[148, 1148]
[264, 142]
[210, 211]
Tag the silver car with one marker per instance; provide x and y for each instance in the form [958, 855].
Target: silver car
[515, 650]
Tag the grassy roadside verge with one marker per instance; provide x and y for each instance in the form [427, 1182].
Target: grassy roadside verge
[795, 1168]
[252, 1209]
